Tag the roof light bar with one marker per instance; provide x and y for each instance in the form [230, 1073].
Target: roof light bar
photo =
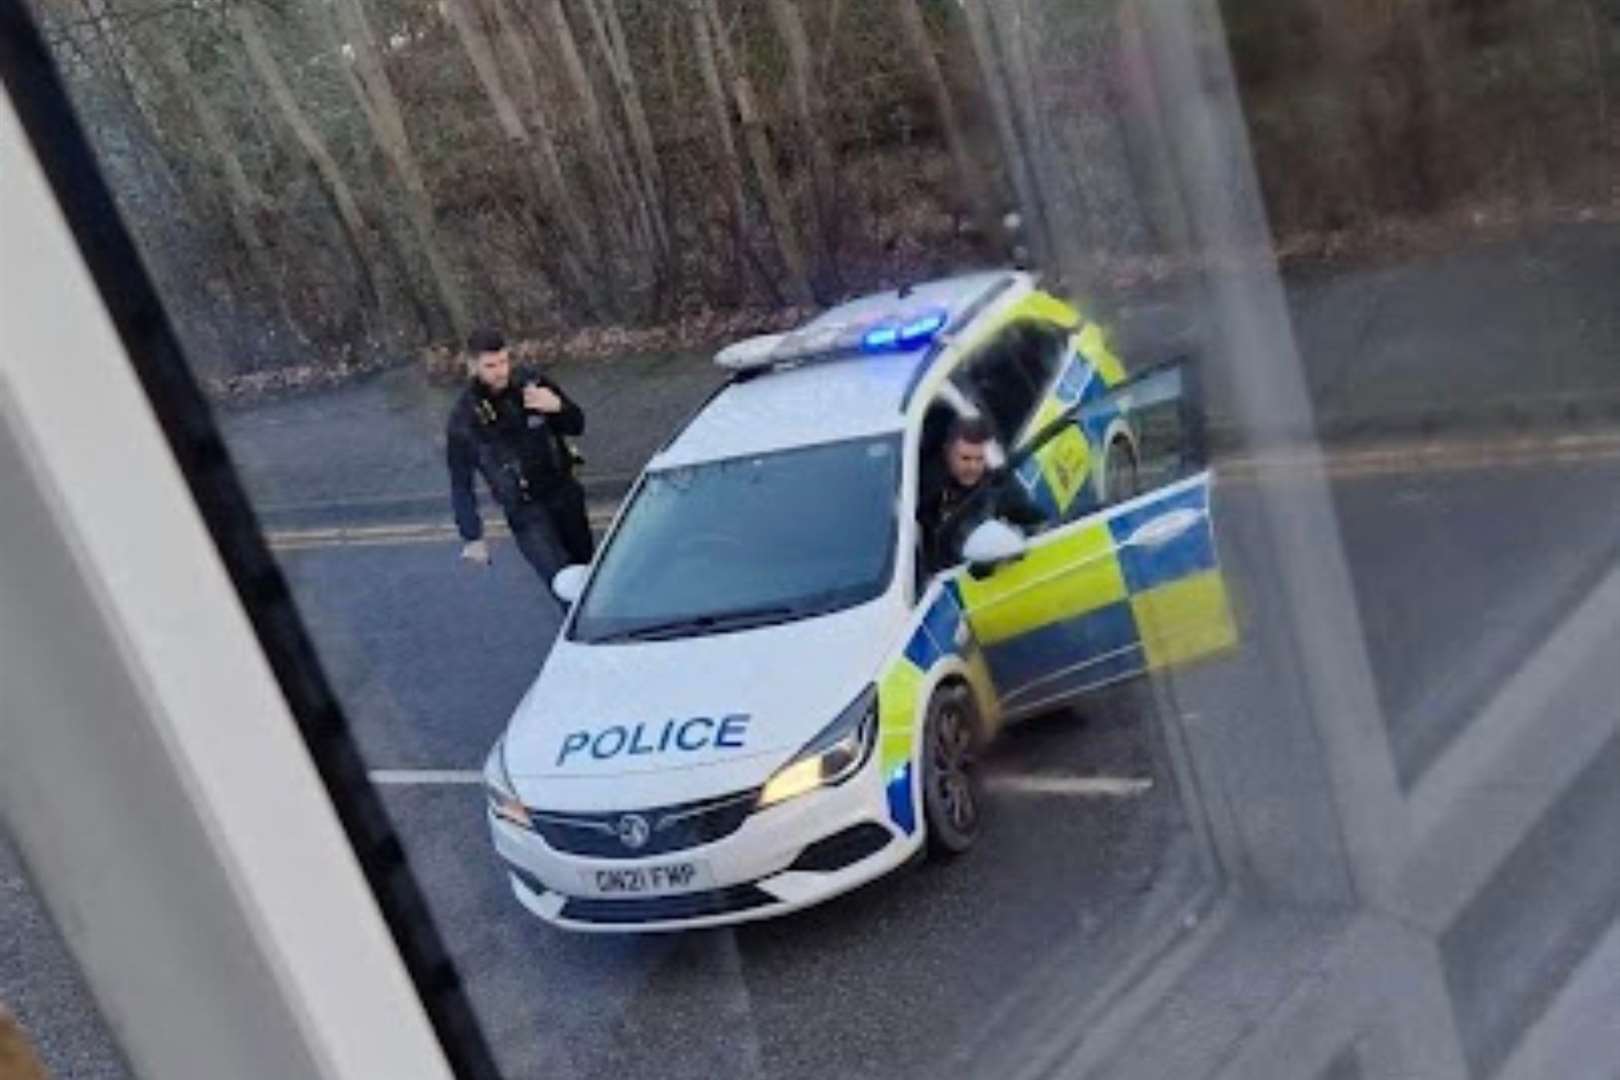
[896, 335]
[749, 353]
[880, 338]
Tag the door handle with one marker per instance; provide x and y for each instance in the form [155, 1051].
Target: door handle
[1164, 528]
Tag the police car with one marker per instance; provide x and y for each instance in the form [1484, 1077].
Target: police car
[760, 697]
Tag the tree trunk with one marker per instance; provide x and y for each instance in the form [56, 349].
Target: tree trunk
[808, 110]
[975, 186]
[153, 134]
[829, 47]
[1001, 107]
[1009, 21]
[540, 129]
[155, 141]
[610, 179]
[348, 209]
[470, 29]
[242, 198]
[669, 51]
[1594, 35]
[759, 150]
[382, 110]
[720, 111]
[609, 31]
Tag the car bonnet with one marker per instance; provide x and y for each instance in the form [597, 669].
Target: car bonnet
[692, 717]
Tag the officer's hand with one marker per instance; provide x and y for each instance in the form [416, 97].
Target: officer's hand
[476, 552]
[541, 399]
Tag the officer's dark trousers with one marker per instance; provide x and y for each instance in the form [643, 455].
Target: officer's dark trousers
[566, 505]
[553, 532]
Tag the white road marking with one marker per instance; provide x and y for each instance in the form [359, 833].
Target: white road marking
[1071, 786]
[405, 777]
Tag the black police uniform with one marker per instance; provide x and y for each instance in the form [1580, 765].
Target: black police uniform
[528, 464]
[947, 512]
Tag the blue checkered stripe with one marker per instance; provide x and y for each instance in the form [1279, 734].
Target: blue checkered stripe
[1104, 644]
[900, 708]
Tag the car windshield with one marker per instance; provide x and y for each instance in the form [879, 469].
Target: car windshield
[797, 532]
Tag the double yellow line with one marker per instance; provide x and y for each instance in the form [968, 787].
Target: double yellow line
[1389, 459]
[1413, 458]
[390, 535]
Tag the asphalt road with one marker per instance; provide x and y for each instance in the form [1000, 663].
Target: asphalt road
[901, 977]
[431, 656]
[1459, 569]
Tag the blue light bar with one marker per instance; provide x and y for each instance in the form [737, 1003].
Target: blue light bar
[881, 338]
[922, 328]
[894, 336]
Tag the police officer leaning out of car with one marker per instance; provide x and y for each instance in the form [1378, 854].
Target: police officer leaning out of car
[960, 491]
[512, 427]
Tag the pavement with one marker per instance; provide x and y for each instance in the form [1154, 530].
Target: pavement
[374, 451]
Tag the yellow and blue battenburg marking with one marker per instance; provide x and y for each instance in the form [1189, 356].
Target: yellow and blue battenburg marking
[936, 636]
[1059, 477]
[1138, 589]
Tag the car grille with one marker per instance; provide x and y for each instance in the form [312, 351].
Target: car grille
[661, 830]
[664, 908]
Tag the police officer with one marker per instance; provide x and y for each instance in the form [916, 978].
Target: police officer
[512, 427]
[959, 492]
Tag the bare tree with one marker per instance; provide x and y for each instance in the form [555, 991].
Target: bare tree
[377, 100]
[808, 111]
[611, 42]
[976, 191]
[541, 129]
[242, 197]
[764, 161]
[313, 145]
[605, 164]
[136, 98]
[554, 196]
[720, 113]
[1013, 150]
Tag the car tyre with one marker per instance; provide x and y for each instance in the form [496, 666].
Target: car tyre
[952, 795]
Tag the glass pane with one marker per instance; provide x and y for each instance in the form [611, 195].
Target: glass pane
[1278, 643]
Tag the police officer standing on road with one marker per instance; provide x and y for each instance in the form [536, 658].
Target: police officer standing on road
[512, 427]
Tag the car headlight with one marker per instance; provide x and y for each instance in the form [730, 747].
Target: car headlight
[832, 757]
[498, 789]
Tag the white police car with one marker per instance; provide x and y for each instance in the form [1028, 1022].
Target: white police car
[760, 699]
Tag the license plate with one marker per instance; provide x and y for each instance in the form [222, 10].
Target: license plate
[658, 879]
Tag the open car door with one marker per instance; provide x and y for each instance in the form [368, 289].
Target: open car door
[1131, 588]
[1125, 589]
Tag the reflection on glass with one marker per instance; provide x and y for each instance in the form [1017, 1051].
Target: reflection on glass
[327, 187]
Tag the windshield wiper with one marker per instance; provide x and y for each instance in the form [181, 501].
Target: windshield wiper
[712, 623]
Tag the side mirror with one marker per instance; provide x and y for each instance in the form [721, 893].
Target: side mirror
[992, 543]
[569, 583]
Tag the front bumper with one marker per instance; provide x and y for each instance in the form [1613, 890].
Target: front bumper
[786, 857]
